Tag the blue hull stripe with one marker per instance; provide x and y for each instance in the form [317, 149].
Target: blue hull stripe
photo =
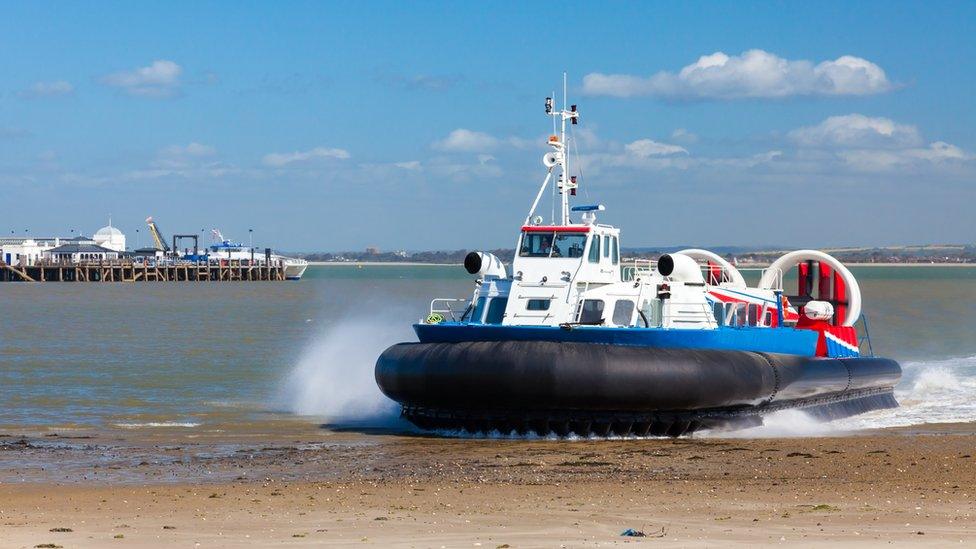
[766, 340]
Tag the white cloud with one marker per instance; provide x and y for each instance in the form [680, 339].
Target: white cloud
[753, 74]
[411, 165]
[864, 143]
[938, 154]
[462, 140]
[160, 79]
[857, 130]
[644, 148]
[525, 144]
[48, 89]
[278, 160]
[191, 161]
[939, 151]
[179, 156]
[462, 171]
[192, 149]
[681, 135]
[586, 137]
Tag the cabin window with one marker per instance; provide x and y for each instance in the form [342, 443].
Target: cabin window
[592, 312]
[569, 245]
[595, 249]
[606, 246]
[496, 310]
[616, 251]
[479, 310]
[753, 315]
[623, 311]
[718, 311]
[538, 305]
[552, 244]
[536, 245]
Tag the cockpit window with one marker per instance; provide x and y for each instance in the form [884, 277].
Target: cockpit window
[569, 245]
[552, 244]
[595, 249]
[536, 244]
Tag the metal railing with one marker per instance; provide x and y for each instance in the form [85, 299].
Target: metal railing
[777, 281]
[639, 267]
[642, 267]
[866, 336]
[445, 305]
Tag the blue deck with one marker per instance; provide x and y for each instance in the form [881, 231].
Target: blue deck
[767, 340]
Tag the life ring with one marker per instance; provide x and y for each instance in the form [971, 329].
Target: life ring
[434, 318]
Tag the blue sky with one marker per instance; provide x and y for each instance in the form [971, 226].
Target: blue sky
[332, 126]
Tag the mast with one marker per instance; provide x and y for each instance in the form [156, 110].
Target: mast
[558, 157]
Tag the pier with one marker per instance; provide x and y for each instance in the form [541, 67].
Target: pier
[129, 271]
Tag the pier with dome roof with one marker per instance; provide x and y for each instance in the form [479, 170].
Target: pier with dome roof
[104, 257]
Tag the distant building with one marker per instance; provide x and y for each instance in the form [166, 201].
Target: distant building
[79, 253]
[28, 251]
[373, 250]
[24, 251]
[110, 237]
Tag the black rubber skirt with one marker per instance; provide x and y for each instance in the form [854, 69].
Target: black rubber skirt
[588, 388]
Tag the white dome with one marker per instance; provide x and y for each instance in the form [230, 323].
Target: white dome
[107, 232]
[110, 237]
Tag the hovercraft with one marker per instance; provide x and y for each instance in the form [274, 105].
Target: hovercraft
[573, 339]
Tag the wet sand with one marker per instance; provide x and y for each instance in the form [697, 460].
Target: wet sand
[898, 486]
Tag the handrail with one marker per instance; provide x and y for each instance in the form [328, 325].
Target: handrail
[777, 281]
[629, 273]
[447, 306]
[867, 334]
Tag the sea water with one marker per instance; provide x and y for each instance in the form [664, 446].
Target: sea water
[240, 356]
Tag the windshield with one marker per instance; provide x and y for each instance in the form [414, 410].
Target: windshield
[537, 244]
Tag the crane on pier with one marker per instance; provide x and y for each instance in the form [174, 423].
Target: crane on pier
[158, 240]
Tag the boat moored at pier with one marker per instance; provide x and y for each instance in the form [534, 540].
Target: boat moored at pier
[223, 249]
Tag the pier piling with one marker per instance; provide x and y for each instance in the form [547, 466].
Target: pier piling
[129, 271]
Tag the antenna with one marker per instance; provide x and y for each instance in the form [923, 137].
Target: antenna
[558, 158]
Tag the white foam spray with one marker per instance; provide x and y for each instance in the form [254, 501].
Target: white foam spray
[935, 391]
[781, 424]
[333, 381]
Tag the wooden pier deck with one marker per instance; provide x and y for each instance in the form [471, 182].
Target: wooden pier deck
[127, 271]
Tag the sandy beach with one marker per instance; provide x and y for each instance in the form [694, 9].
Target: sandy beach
[898, 486]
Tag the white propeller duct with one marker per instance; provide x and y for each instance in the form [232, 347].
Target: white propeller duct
[774, 272]
[733, 274]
